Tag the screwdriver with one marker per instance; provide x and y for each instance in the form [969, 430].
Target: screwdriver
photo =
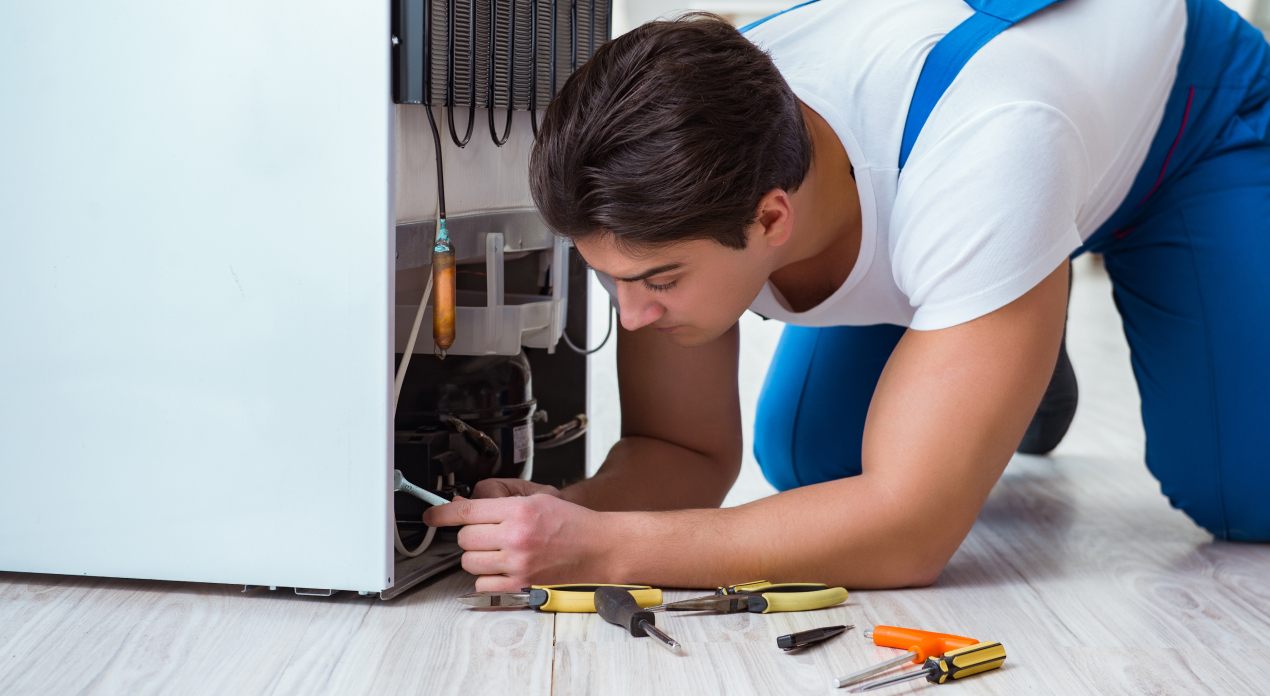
[955, 664]
[616, 606]
[920, 645]
[558, 598]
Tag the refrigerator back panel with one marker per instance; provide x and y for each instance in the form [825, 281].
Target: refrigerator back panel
[492, 54]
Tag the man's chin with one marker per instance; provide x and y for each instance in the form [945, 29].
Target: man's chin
[687, 337]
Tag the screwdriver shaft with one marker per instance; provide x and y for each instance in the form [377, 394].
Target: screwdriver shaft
[892, 680]
[857, 677]
[662, 639]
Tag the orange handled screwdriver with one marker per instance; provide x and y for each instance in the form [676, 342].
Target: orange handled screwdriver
[919, 644]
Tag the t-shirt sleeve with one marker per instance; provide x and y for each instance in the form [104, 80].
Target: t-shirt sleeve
[987, 212]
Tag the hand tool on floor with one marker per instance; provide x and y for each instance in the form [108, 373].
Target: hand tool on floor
[568, 599]
[617, 606]
[955, 664]
[802, 639]
[762, 597]
[921, 645]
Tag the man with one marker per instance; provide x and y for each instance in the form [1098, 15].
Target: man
[903, 182]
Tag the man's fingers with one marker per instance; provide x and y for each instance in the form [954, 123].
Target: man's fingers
[493, 488]
[499, 583]
[506, 487]
[481, 537]
[483, 563]
[463, 511]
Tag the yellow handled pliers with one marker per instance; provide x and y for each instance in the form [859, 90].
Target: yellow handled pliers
[762, 597]
[558, 598]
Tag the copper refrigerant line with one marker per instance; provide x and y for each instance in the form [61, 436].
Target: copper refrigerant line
[443, 290]
[443, 264]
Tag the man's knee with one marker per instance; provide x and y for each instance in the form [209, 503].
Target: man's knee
[774, 446]
[1231, 511]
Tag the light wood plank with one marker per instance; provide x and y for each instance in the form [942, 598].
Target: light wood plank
[99, 636]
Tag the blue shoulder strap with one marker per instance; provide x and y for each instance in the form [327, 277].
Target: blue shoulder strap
[757, 22]
[951, 54]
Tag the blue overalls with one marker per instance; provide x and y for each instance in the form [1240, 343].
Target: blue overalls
[1188, 253]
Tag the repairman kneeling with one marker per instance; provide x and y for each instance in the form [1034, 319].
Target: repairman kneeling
[903, 184]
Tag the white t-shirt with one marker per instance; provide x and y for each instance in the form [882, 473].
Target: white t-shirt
[1031, 149]
[1033, 146]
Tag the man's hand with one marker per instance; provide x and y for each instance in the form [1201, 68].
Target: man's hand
[505, 487]
[516, 541]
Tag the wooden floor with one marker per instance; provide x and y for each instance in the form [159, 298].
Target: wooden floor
[1077, 565]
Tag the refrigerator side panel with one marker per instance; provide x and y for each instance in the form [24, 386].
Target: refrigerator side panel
[196, 239]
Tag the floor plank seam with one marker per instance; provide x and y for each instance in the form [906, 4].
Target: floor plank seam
[551, 677]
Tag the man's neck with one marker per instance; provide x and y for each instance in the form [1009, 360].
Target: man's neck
[826, 238]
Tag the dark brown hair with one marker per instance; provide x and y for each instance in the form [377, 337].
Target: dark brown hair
[673, 131]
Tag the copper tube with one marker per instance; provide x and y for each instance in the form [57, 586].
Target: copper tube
[443, 298]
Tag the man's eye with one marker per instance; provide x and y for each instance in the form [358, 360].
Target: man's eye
[659, 287]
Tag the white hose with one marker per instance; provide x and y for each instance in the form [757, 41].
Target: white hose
[396, 395]
[423, 545]
[410, 343]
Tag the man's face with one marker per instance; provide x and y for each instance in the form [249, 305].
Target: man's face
[693, 291]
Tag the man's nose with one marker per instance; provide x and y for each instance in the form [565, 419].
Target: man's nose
[636, 309]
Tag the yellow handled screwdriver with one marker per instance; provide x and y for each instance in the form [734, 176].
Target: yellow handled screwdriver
[568, 599]
[762, 597]
[955, 664]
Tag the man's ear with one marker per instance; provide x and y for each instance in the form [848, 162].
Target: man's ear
[774, 218]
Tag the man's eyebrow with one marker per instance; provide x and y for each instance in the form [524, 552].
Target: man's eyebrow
[651, 272]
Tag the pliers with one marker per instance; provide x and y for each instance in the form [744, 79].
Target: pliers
[762, 597]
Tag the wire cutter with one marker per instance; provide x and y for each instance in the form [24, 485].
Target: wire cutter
[570, 599]
[762, 597]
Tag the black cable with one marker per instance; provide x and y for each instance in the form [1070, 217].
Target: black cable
[511, 72]
[533, 80]
[449, 83]
[432, 122]
[436, 142]
[555, 24]
[583, 351]
[573, 36]
[590, 51]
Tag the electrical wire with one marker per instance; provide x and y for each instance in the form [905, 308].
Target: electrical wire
[436, 141]
[410, 344]
[583, 351]
[511, 71]
[428, 536]
[396, 396]
[590, 48]
[533, 80]
[471, 74]
[555, 22]
[573, 36]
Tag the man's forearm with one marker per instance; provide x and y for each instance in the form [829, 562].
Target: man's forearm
[644, 473]
[845, 532]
